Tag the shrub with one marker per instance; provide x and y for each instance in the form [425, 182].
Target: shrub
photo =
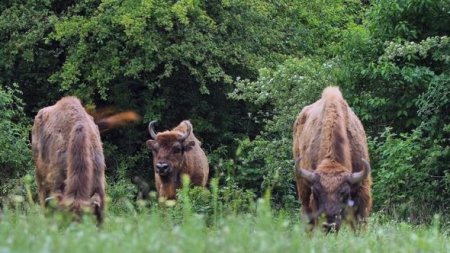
[411, 175]
[15, 155]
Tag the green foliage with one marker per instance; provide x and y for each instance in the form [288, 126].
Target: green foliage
[26, 58]
[199, 199]
[412, 20]
[15, 155]
[121, 195]
[411, 175]
[199, 44]
[395, 63]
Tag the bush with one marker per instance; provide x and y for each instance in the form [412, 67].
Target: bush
[411, 175]
[121, 195]
[15, 155]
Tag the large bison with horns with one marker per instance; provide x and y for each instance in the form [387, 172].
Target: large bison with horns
[68, 154]
[331, 163]
[177, 152]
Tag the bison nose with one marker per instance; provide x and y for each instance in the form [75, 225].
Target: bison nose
[162, 168]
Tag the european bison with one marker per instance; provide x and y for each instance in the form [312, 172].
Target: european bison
[177, 152]
[69, 158]
[332, 168]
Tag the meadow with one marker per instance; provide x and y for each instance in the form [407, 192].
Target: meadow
[211, 226]
[152, 231]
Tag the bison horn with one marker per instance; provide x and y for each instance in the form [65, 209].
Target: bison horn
[357, 177]
[188, 132]
[306, 174]
[151, 130]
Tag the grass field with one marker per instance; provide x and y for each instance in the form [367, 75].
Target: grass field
[157, 230]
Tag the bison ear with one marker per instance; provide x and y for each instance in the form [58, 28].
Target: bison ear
[152, 144]
[188, 146]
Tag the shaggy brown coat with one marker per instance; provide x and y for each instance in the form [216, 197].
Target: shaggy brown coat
[182, 157]
[331, 141]
[68, 154]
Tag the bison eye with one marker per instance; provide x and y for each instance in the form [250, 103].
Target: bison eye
[344, 195]
[176, 149]
[155, 148]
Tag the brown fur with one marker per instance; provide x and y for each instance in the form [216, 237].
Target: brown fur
[331, 141]
[68, 154]
[192, 162]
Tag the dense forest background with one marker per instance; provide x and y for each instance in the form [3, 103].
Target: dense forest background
[240, 71]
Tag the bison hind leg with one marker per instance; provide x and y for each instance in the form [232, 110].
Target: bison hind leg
[97, 207]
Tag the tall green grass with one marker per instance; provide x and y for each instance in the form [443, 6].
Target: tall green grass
[166, 230]
[202, 221]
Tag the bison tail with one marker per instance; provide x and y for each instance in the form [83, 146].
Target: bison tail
[117, 120]
[80, 167]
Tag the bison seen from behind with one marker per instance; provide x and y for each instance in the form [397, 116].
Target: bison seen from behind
[177, 152]
[68, 154]
[332, 168]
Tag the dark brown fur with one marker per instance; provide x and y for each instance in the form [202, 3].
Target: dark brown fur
[191, 160]
[68, 154]
[331, 141]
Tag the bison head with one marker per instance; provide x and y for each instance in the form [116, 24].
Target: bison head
[77, 207]
[332, 193]
[168, 148]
